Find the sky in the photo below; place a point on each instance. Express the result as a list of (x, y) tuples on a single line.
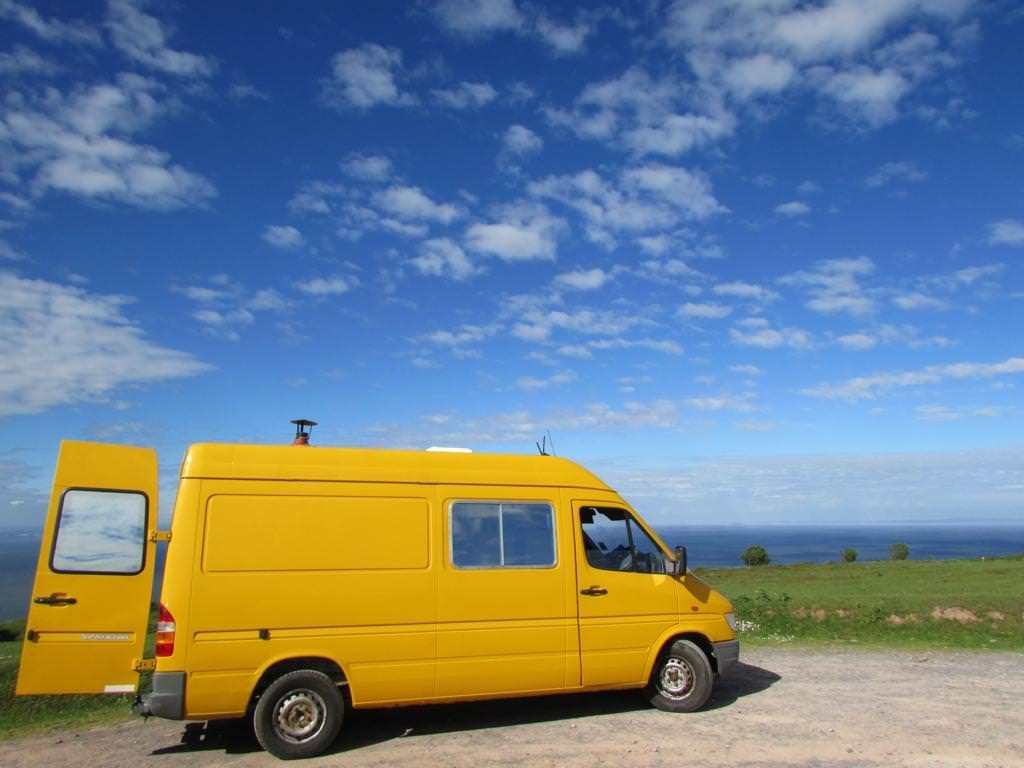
[(752, 262)]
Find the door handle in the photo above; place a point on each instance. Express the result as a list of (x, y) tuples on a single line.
[(594, 591), (57, 598)]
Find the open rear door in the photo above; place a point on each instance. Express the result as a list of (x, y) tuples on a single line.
[(90, 602)]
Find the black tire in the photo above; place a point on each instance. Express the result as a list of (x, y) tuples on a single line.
[(299, 715), (682, 679)]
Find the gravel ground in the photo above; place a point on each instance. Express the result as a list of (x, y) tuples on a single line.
[(779, 708)]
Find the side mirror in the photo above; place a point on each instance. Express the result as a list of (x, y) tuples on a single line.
[(680, 561)]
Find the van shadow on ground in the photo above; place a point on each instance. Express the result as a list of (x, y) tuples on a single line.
[(363, 728)]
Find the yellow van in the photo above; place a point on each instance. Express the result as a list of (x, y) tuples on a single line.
[(302, 581)]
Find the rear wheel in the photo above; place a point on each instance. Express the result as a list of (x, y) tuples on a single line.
[(682, 678), (299, 715)]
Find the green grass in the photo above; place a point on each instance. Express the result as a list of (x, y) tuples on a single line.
[(881, 603), (23, 715)]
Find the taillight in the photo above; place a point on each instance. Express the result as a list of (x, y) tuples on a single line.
[(164, 632)]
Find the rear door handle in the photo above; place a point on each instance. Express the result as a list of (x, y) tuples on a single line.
[(57, 598), (594, 591)]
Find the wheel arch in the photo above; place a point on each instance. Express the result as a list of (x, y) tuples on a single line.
[(283, 666), (699, 639)]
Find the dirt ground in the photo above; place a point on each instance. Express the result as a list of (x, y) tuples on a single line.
[(779, 708)]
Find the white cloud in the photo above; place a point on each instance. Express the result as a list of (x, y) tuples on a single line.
[(645, 198), (23, 61), (407, 202), (9, 252), (891, 172), (520, 141), (534, 322), (583, 279), (441, 257), (141, 37), (666, 346), (521, 233), (749, 291), (857, 341), (266, 299), (367, 167), (688, 191), (793, 208), (466, 95), (1006, 232), (875, 385), (704, 311), (324, 286), (477, 18), (955, 413), (833, 285), (317, 197), (60, 345), (915, 300), (241, 91), (746, 370), (867, 95), (51, 30), (839, 27), (759, 74), (639, 114), (364, 77), (724, 402), (533, 384), (842, 50), (564, 39), (79, 144), (461, 341), (223, 323), (224, 307), (756, 332), (283, 236)]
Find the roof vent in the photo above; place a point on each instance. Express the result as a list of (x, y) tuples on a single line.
[(447, 449), (303, 428)]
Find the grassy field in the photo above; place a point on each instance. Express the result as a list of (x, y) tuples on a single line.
[(972, 604), (28, 714), (947, 604)]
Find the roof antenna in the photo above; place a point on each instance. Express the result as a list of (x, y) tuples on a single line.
[(542, 446), (303, 428)]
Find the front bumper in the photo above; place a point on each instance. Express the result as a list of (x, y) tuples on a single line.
[(727, 653), (167, 699)]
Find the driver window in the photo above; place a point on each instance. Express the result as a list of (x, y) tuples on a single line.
[(613, 541)]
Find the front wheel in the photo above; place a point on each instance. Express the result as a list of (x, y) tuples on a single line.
[(299, 715), (682, 678)]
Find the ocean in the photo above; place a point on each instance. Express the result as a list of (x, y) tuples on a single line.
[(706, 546)]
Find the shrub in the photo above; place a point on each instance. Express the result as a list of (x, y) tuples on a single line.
[(849, 555), (755, 555), (11, 630), (899, 551)]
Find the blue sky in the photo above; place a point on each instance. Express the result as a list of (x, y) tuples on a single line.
[(751, 262)]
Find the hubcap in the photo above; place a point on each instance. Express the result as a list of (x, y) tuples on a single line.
[(299, 715), (676, 678)]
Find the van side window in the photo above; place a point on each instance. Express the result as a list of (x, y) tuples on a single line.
[(502, 534), (100, 532), (613, 541)]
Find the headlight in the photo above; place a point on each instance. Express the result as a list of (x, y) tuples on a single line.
[(731, 618)]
